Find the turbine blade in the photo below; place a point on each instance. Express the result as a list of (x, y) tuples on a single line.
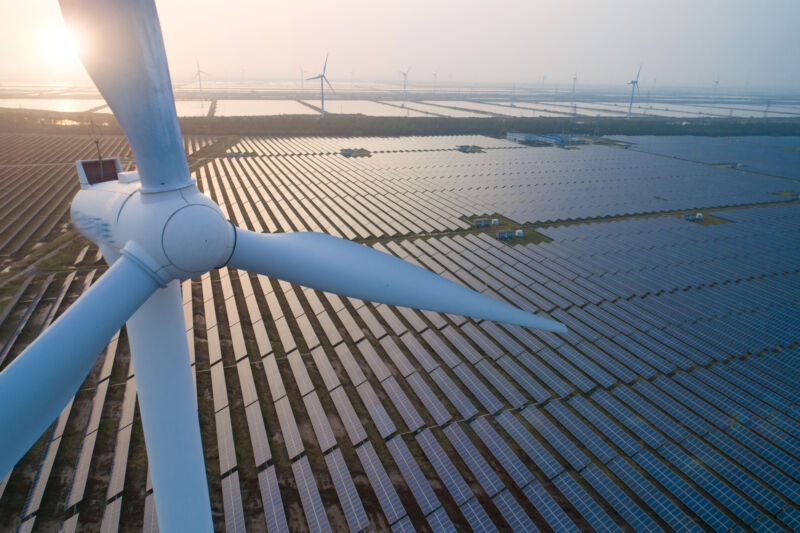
[(325, 65), (329, 83), (638, 72), (343, 267), (124, 55), (314, 77), (37, 384), (168, 403)]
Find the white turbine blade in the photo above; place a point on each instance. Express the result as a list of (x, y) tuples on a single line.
[(638, 72), (37, 384), (329, 83), (343, 267), (168, 403), (314, 77), (123, 52), (325, 65)]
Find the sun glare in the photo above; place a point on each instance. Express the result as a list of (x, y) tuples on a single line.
[(60, 48)]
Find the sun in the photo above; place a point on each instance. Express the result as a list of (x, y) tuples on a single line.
[(60, 48)]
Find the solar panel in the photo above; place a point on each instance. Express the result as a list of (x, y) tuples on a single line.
[(501, 451), (474, 460), (232, 503), (325, 369), (376, 410), (555, 437), (402, 404), (428, 398), (445, 469), (548, 508), (351, 502), (689, 496), (271, 500), (414, 477), (387, 497), (476, 516), (288, 424), (477, 388), (309, 496), (530, 445), (348, 416), (440, 522), (319, 421), (454, 394)]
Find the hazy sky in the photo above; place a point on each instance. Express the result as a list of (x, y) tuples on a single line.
[(680, 42)]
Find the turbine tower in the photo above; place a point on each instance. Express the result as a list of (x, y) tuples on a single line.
[(405, 82), (155, 228), (322, 81), (634, 87)]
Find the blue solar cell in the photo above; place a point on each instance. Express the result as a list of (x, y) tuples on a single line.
[(586, 436), (528, 443), (309, 496), (477, 388), (478, 520), (721, 492), (654, 415), (403, 405), (453, 393), (513, 513), (428, 398), (624, 415), (555, 437), (689, 496), (474, 460), (621, 502), (584, 503), (661, 504), (548, 508), (271, 500), (348, 496), (500, 383), (440, 522), (445, 469), (500, 451), (387, 496), (415, 480)]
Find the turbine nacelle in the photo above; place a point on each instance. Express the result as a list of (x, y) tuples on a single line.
[(175, 234)]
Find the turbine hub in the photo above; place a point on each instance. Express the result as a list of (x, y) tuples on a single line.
[(197, 238)]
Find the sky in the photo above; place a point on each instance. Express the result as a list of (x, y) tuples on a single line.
[(744, 43)]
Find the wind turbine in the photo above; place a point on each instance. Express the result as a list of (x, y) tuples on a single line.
[(405, 82), (199, 76), (155, 228), (574, 79), (716, 87), (322, 81), (634, 87)]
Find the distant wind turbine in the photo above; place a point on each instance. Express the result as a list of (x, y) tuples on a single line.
[(322, 81), (634, 87), (574, 79), (405, 83), (716, 86), (199, 76)]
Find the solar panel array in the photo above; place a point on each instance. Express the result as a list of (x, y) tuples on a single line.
[(671, 403)]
